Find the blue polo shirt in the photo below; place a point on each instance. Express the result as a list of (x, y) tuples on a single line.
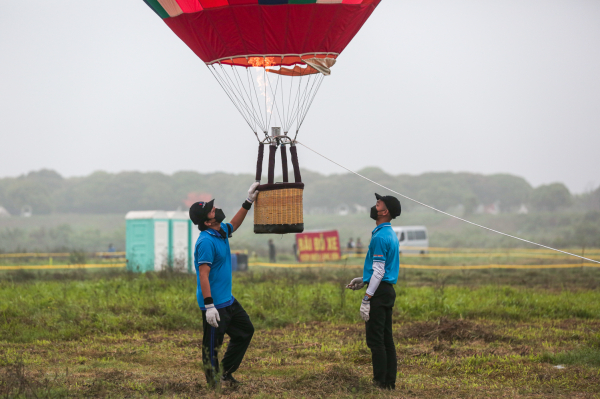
[(384, 247), (212, 249)]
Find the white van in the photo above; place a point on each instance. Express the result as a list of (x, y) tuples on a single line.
[(413, 239)]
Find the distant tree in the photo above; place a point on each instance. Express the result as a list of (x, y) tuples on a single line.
[(551, 197), (510, 191), (101, 192), (590, 201), (587, 232), (470, 205), (36, 190)]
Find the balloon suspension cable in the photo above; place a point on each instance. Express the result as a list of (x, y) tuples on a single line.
[(445, 213), (216, 75), (265, 100)]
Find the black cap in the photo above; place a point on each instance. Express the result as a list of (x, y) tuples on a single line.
[(199, 211), (392, 204)]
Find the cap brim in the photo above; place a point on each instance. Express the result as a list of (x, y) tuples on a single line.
[(378, 196), (209, 206)]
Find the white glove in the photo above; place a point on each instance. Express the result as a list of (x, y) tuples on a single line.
[(365, 308), (252, 193), (356, 284), (212, 315)]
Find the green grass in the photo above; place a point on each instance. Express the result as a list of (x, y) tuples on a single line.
[(581, 356), (477, 334), (70, 309)]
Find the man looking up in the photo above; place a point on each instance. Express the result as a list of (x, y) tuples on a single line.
[(380, 273), (221, 312)]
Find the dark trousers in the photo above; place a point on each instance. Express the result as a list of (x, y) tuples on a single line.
[(236, 323), (379, 336)]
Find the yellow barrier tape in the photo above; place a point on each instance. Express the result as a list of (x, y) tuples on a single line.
[(590, 251), (59, 255), (38, 267), (480, 267), (466, 249), (492, 255), (452, 252), (332, 265), (293, 265), (473, 267), (34, 255), (480, 255)]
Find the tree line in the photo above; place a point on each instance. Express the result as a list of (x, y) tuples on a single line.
[(46, 191)]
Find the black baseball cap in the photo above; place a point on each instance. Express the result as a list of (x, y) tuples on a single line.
[(392, 204), (199, 211)]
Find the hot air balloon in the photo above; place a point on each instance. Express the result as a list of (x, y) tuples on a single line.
[(270, 57)]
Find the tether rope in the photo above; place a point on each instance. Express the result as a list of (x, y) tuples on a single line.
[(446, 213)]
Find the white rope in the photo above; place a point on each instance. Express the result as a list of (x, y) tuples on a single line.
[(445, 213)]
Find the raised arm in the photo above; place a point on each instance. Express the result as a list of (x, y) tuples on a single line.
[(239, 217)]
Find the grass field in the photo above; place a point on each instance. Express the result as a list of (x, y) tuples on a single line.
[(478, 333)]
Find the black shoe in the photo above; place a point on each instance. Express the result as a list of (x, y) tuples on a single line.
[(228, 378)]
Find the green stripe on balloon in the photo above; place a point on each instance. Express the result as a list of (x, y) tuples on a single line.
[(157, 8)]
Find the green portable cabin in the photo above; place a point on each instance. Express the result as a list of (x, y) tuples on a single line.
[(179, 241), (147, 240)]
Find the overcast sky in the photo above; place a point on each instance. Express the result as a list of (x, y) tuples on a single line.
[(478, 86)]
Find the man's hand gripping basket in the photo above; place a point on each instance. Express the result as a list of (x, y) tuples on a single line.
[(278, 207)]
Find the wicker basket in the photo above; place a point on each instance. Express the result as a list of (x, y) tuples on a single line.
[(278, 207), (279, 211)]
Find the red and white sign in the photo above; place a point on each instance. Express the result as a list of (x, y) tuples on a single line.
[(318, 247)]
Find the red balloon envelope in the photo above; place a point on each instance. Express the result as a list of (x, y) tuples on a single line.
[(267, 36), (224, 29)]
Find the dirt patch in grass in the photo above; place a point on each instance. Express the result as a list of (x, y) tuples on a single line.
[(171, 386), (573, 324), (331, 380), (114, 376), (445, 329), (17, 381)]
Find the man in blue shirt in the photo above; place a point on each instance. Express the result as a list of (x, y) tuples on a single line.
[(221, 312), (380, 273)]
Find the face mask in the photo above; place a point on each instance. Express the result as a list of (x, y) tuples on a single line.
[(374, 213), (219, 215)]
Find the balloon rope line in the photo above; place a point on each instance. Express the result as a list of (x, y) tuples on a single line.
[(309, 105), (445, 213), (216, 75), (274, 96), (238, 78), (250, 87)]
